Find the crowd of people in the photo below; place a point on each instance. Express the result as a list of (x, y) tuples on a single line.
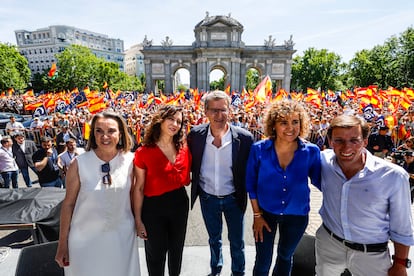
[(129, 183)]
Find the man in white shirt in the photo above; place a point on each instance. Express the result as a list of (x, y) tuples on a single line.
[(13, 126), (220, 151), (67, 156), (8, 167), (36, 124)]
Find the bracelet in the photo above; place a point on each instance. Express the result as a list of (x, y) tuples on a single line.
[(257, 215)]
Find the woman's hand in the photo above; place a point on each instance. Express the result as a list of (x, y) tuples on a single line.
[(258, 224), (141, 231), (62, 255)]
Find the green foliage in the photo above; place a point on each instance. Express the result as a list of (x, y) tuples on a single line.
[(14, 69), (252, 79), (182, 87), (79, 67), (390, 64), (316, 69), (217, 84), (161, 86)]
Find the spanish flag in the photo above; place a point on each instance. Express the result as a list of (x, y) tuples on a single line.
[(52, 70), (227, 90)]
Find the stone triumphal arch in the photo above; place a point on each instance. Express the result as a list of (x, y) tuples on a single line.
[(218, 45)]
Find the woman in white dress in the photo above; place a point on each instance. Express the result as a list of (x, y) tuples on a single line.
[(97, 229)]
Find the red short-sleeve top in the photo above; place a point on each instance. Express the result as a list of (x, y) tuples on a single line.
[(161, 175)]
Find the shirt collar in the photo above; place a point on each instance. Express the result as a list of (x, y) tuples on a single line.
[(226, 136), (269, 143)]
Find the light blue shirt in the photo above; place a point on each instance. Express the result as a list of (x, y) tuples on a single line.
[(371, 207)]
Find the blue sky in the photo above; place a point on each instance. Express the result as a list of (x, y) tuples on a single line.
[(341, 26)]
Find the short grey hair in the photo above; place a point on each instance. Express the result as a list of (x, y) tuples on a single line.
[(214, 96)]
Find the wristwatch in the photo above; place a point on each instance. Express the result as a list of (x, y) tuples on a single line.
[(404, 262)]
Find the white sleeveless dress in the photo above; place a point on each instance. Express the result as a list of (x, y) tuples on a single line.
[(102, 237)]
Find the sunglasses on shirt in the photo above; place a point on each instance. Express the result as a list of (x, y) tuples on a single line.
[(106, 179)]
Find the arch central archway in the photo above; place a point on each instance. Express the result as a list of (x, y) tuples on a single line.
[(218, 45)]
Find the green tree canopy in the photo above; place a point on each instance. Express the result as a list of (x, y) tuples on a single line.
[(14, 69), (317, 69), (79, 67), (390, 64), (252, 79)]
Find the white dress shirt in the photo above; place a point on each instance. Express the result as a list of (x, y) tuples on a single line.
[(216, 175)]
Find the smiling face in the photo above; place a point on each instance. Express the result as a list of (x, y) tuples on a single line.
[(349, 146), (172, 124), (288, 128), (217, 113), (106, 133)]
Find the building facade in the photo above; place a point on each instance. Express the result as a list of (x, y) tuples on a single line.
[(40, 46), (134, 61), (218, 45)]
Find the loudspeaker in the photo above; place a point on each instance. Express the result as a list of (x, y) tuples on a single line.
[(39, 260)]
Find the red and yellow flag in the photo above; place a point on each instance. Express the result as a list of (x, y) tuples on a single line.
[(52, 70)]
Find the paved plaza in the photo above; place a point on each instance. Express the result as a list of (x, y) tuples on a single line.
[(196, 253)]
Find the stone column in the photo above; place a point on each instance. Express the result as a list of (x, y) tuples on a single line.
[(235, 74), (168, 77), (243, 71), (148, 76), (288, 77), (193, 74), (268, 67), (202, 74)]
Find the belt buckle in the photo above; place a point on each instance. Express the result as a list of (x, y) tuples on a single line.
[(220, 197), (355, 246)]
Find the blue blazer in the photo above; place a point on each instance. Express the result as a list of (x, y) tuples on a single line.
[(241, 143)]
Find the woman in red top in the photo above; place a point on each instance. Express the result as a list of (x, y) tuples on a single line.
[(162, 169)]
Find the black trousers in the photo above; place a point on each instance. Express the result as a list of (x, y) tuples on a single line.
[(165, 219)]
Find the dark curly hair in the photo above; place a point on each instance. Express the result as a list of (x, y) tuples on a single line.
[(153, 130)]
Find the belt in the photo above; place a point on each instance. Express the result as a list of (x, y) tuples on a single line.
[(223, 196), (374, 247), (220, 196)]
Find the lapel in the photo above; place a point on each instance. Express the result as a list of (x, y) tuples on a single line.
[(235, 145), (200, 140)]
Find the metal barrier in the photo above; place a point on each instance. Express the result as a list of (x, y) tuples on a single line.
[(257, 134)]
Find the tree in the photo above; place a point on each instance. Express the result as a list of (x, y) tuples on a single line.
[(217, 84), (406, 58), (390, 64), (317, 69), (252, 79), (77, 67), (14, 69)]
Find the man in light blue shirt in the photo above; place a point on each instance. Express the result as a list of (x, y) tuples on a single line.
[(366, 203)]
